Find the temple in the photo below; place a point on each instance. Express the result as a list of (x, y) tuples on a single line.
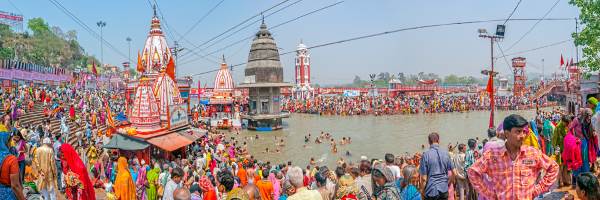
[(220, 109), (156, 56), (157, 105), (302, 89), (264, 80)]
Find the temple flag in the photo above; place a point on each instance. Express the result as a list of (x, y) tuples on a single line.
[(94, 71), (562, 61), (171, 68), (490, 84), (140, 67)]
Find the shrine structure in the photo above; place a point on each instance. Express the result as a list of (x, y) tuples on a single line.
[(157, 105), (264, 81)]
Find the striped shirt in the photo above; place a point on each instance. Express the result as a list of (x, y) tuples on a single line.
[(513, 179)]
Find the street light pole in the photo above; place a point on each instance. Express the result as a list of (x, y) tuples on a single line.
[(101, 24), (483, 34)]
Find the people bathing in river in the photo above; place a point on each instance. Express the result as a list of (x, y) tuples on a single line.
[(220, 168)]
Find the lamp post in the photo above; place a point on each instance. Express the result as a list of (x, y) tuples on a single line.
[(101, 24), (498, 36)]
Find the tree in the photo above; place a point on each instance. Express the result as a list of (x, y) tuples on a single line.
[(401, 77), (357, 80), (38, 26), (451, 79), (588, 37)]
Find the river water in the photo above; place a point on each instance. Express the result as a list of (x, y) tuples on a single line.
[(372, 136)]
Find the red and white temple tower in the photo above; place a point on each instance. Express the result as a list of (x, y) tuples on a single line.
[(302, 89), (518, 65)]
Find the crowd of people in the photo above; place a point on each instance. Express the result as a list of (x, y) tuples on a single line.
[(405, 104), (519, 160)]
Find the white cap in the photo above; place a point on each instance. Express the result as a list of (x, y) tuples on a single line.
[(46, 141), (363, 158)]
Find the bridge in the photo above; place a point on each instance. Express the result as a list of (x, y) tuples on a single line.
[(547, 89)]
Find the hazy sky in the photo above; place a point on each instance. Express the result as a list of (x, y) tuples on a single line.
[(443, 50)]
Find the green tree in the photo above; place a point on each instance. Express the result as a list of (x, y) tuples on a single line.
[(588, 37), (451, 79)]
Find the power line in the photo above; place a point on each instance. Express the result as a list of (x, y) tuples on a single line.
[(390, 32), (15, 6), (505, 60), (201, 19), (534, 25), (170, 31), (248, 25), (86, 27), (243, 22), (273, 27), (513, 12), (278, 25), (537, 48)]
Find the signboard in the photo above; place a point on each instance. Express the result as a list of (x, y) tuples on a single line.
[(178, 115), (6, 83), (351, 93)]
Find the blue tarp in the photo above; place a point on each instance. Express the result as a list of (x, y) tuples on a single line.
[(121, 117)]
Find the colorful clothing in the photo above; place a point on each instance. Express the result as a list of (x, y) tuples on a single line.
[(513, 179), (152, 177), (558, 138), (410, 192), (141, 184), (124, 186), (76, 172), (6, 191)]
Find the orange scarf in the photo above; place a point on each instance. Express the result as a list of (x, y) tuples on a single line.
[(124, 187)]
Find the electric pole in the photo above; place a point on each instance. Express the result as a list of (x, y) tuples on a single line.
[(491, 74), (101, 24)]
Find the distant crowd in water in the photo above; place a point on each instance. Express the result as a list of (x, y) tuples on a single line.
[(406, 104)]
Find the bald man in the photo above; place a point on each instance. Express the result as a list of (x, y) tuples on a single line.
[(182, 194)]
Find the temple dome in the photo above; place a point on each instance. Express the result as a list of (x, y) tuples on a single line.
[(145, 114), (263, 61), (156, 52), (223, 80), (166, 93)]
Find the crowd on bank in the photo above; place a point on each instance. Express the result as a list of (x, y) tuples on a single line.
[(217, 167), (405, 104)]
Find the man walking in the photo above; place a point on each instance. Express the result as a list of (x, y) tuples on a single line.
[(458, 161), (513, 170), (44, 168), (435, 165)]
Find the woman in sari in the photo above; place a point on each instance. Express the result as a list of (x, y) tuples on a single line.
[(77, 180), (152, 177), (207, 188), (384, 187), (124, 186), (10, 185), (141, 183), (408, 190)]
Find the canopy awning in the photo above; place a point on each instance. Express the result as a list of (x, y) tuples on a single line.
[(123, 142), (171, 141)]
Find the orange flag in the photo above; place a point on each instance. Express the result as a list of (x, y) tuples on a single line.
[(109, 116), (94, 71), (171, 68), (490, 85), (140, 67)]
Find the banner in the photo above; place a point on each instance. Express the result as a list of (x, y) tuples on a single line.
[(178, 116)]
